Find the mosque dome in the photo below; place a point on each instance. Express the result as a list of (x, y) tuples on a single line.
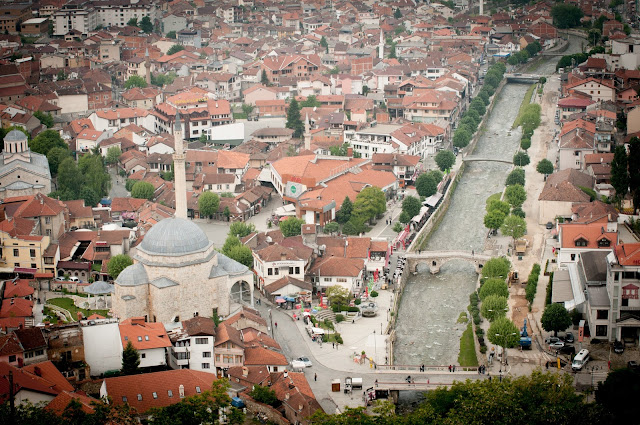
[(174, 236)]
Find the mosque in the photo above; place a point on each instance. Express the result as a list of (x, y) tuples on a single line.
[(177, 274), (22, 172)]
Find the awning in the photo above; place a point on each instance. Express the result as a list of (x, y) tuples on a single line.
[(432, 200), (24, 270), (286, 210), (43, 275), (280, 300), (317, 331)]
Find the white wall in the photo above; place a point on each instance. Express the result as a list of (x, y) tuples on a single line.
[(102, 347), (196, 354), (153, 357)]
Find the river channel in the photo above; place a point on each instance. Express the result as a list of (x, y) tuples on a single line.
[(426, 329)]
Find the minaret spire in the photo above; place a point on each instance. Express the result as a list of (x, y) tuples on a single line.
[(307, 133), (179, 171), (147, 65), (381, 46)]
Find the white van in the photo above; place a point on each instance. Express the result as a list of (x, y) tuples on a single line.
[(580, 359), (74, 279)]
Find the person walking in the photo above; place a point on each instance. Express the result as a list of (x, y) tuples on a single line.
[(315, 376), (276, 325), (449, 368)]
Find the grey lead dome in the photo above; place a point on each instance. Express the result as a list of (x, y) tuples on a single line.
[(15, 136), (174, 236)]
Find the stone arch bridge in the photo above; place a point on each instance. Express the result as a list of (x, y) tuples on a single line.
[(435, 259)]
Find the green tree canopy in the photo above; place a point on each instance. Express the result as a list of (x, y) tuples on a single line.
[(264, 395), (264, 79), (133, 22), (503, 333), (354, 226), (521, 159), (146, 25), (292, 226), (135, 81), (445, 159), (95, 174), (241, 229), (555, 318), (113, 154), (46, 141), (514, 226), (497, 267), (294, 122), (619, 172), (247, 108), (172, 34), (130, 360), (325, 44), (461, 138), (566, 15), (90, 197), (426, 185), (208, 204), (473, 114), (310, 102), (494, 306), (337, 295), (492, 80), (397, 14), (633, 161), (411, 205), (117, 263), (545, 167), (45, 119), (498, 205), (494, 286), (515, 177), (344, 213), (515, 195), (55, 156), (370, 203), (494, 219), (70, 178), (525, 143), (331, 228), (478, 105), (242, 254), (175, 49), (142, 190)]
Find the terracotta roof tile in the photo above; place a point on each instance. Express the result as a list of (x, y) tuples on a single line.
[(143, 335)]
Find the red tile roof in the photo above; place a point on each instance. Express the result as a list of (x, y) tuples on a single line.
[(628, 254), (143, 335)]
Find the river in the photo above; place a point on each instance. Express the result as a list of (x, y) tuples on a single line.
[(426, 328)]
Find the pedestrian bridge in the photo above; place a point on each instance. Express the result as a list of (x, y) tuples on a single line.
[(558, 54), (524, 78), (435, 259), (471, 158)]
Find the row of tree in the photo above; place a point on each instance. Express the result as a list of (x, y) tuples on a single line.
[(625, 171), (525, 54)]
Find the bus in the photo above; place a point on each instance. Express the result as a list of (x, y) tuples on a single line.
[(580, 360)]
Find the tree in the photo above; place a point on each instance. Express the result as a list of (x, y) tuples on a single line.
[(411, 205), (473, 114), (159, 80), (492, 80), (461, 138), (323, 43), (247, 108), (593, 36), (175, 49), (515, 195), (370, 203), (521, 159), (133, 22), (503, 333), (525, 143), (619, 172), (293, 119), (146, 25), (46, 141), (91, 198), (354, 226), (404, 217), (226, 212), (95, 174), (397, 14), (426, 185), (292, 226), (264, 79), (555, 318), (494, 286), (544, 167), (494, 219), (45, 119), (172, 34), (208, 204), (242, 254), (566, 16), (310, 102), (70, 177), (331, 228), (514, 226), (61, 75), (135, 81), (484, 95), (241, 229), (130, 360), (515, 177), (618, 395), (337, 295), (497, 267), (498, 205), (264, 395), (55, 156), (117, 263), (113, 154), (392, 51), (445, 159), (203, 138), (633, 162), (142, 190), (494, 306), (344, 213), (478, 105)]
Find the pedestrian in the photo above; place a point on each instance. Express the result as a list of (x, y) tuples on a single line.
[(489, 375), (333, 345), (276, 325), (449, 368), (454, 368), (315, 376)]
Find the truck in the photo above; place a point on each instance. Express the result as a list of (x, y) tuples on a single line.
[(525, 339), (513, 277), (521, 246)]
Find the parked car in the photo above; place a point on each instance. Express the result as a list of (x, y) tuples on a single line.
[(305, 360), (552, 339), (618, 347), (568, 338), (632, 364), (567, 349), (556, 345)]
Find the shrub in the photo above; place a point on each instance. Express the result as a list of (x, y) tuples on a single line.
[(339, 318), (476, 319), (358, 301), (374, 294), (353, 309), (483, 349), (518, 212), (338, 339), (479, 331)]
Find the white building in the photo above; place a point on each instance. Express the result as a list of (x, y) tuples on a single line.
[(150, 339), (276, 261), (102, 345), (193, 345), (22, 172), (345, 272), (372, 140)]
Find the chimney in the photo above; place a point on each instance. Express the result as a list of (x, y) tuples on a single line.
[(286, 396), (285, 373), (37, 371), (350, 152), (245, 371), (181, 390), (283, 256)]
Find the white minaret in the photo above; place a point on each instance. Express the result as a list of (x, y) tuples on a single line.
[(147, 65), (307, 134), (481, 7), (180, 175), (381, 46)]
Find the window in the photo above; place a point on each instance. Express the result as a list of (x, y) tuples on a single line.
[(276, 271), (581, 242), (32, 253), (143, 355), (34, 266), (16, 253), (297, 270), (12, 358), (201, 340), (290, 270), (604, 242), (126, 338), (206, 354), (124, 398), (170, 393), (602, 314), (155, 394), (139, 338), (269, 270), (47, 220), (139, 397), (601, 330), (198, 388), (146, 337)]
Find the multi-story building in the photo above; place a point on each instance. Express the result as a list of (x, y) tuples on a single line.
[(276, 261), (76, 15), (193, 345), (150, 339)]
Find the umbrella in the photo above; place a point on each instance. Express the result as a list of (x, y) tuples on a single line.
[(280, 300), (306, 313)]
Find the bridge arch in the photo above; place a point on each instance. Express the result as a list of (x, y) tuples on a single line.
[(436, 259)]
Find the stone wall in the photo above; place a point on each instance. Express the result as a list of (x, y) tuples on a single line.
[(272, 415)]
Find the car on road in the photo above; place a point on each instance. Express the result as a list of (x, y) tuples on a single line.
[(568, 338), (549, 225), (305, 360), (552, 339), (567, 349), (556, 345), (618, 347)]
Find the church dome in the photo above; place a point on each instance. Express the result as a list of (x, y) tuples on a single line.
[(174, 236), (15, 136)]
